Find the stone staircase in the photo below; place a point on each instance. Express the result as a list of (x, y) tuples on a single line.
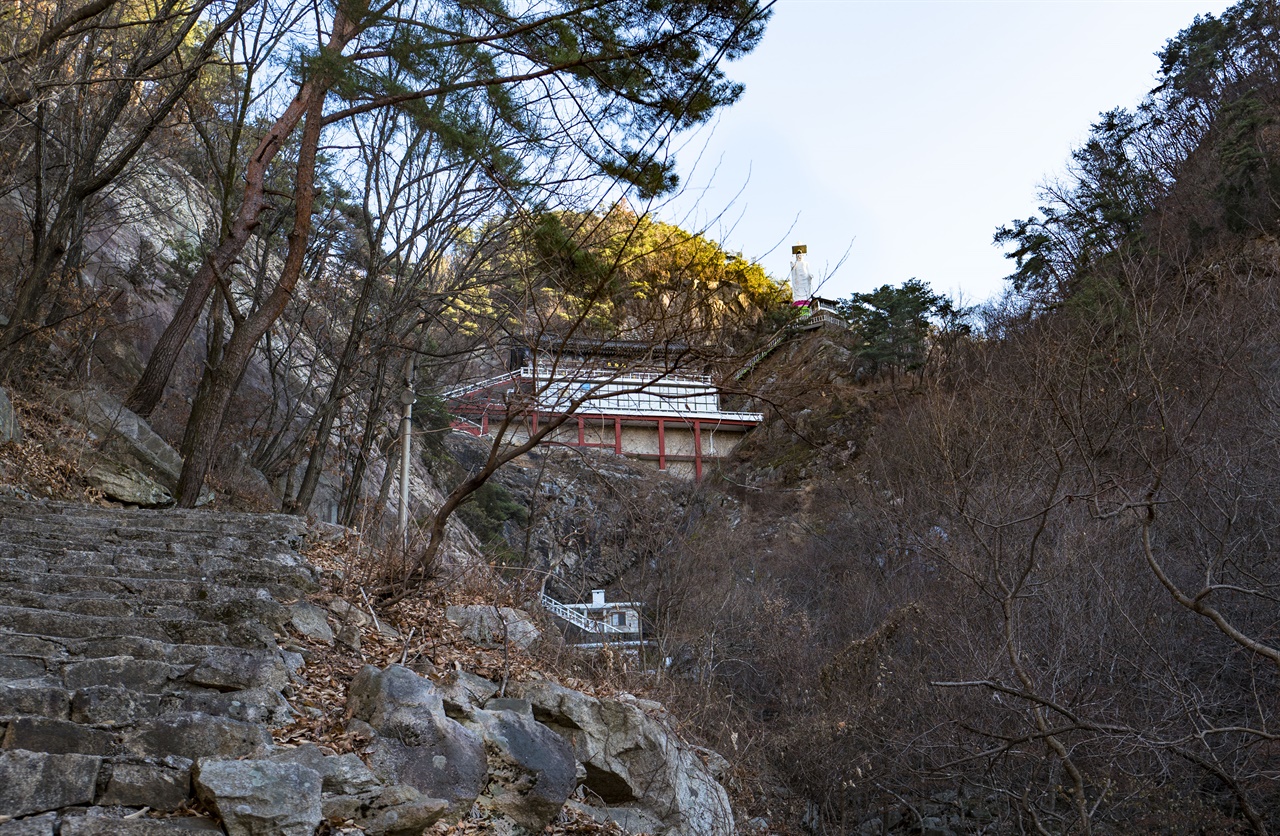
[(140, 678), (132, 644)]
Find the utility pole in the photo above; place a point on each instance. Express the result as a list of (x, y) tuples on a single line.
[(407, 397)]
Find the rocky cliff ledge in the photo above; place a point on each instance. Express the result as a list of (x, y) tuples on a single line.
[(151, 683)]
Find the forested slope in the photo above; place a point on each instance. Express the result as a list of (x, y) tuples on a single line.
[(1037, 590)]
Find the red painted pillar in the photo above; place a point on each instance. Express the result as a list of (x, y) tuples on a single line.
[(484, 423), (697, 449), (617, 436), (662, 444), (535, 423), (582, 436)]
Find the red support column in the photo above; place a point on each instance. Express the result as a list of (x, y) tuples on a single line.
[(617, 436), (697, 449), (484, 423), (535, 423), (582, 436), (662, 444)]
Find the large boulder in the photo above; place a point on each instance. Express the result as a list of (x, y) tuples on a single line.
[(261, 798), (493, 626), (634, 761), (532, 770), (416, 743), (128, 448)]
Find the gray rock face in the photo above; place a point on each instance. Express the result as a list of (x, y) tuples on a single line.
[(417, 744), (104, 825), (261, 798), (488, 626), (339, 774), (44, 825), (9, 429), (390, 811), (126, 484), (33, 782), (531, 769), (463, 692), (147, 785), (634, 760), (196, 735), (128, 441), (310, 621)]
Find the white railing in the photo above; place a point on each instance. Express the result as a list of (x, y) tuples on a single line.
[(588, 374), (580, 619), (455, 392)]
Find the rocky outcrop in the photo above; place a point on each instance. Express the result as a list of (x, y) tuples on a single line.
[(636, 766), (131, 463)]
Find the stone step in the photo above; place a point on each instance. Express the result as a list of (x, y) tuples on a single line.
[(184, 631), (185, 734), (249, 606), (210, 666), (113, 708), (168, 589), (38, 538), (244, 573), (279, 525)]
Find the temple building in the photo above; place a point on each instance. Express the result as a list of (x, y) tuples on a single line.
[(633, 398)]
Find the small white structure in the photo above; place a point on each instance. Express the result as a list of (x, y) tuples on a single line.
[(617, 619)]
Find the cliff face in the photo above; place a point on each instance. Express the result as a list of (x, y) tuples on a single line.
[(588, 516)]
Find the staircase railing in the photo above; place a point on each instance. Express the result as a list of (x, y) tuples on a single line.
[(578, 618), (455, 392)]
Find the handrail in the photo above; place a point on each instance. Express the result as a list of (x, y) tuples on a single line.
[(579, 619), (455, 392)]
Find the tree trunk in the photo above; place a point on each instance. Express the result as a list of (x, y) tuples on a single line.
[(150, 387), (218, 383)]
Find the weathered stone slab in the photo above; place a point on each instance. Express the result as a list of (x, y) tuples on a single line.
[(463, 692), (491, 626), (418, 744), (37, 698), (261, 798), (156, 786), (104, 705), (234, 669), (59, 737), (197, 735), (120, 671), (9, 428), (33, 782), (126, 484), (98, 824), (310, 621), (393, 811), (633, 760), (45, 824), (339, 774), (531, 769)]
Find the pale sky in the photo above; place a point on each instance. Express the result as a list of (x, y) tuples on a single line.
[(906, 132)]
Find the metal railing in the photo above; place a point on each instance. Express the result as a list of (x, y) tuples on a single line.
[(580, 619), (455, 392)]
